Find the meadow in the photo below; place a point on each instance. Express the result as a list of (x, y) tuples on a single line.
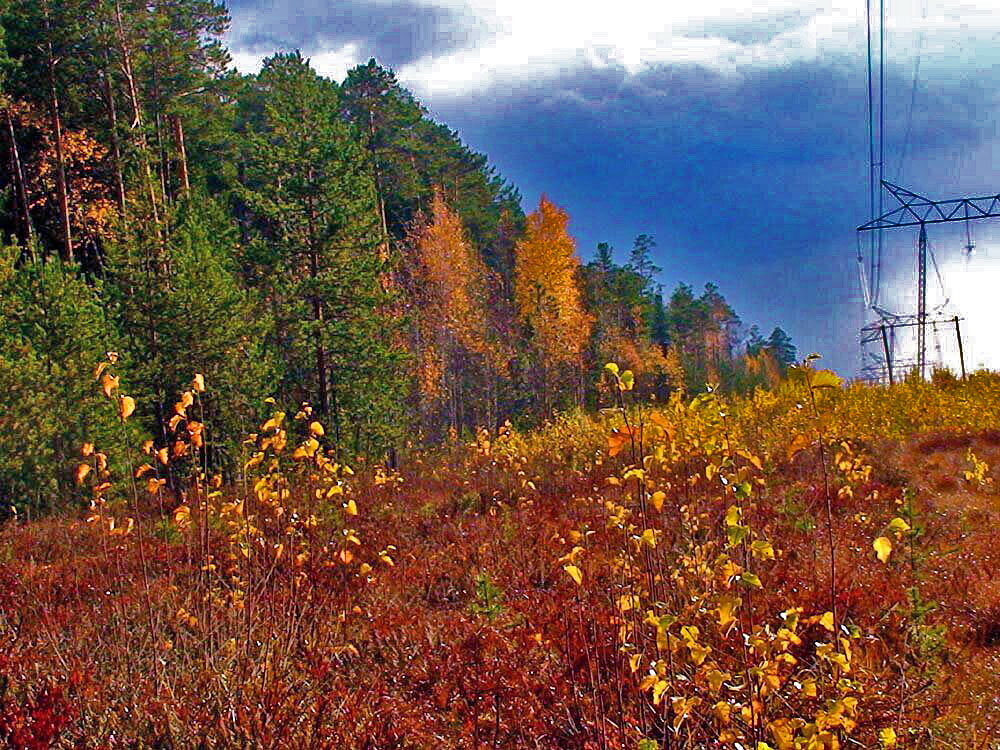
[(810, 566)]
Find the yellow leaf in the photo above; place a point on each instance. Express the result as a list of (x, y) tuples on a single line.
[(887, 737), (574, 573), (316, 429), (87, 449), (351, 508), (628, 602), (365, 569), (716, 678), (827, 620), (101, 367), (274, 422), (658, 690), (899, 525), (109, 384), (125, 407), (722, 711), (727, 609), (883, 548), (657, 499), (81, 472), (616, 442), (633, 662), (346, 556), (825, 379), (199, 383), (799, 443), (182, 516)]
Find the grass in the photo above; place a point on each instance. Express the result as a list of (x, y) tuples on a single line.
[(303, 605)]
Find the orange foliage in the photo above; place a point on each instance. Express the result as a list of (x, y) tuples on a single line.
[(546, 288), (91, 206), (451, 287)]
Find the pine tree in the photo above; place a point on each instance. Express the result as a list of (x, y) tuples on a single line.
[(183, 74), (780, 344), (604, 259), (641, 262), (53, 331), (310, 202), (387, 116), (47, 40), (195, 317)]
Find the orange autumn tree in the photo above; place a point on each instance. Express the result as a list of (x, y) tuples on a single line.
[(457, 360), (547, 293), (90, 206)]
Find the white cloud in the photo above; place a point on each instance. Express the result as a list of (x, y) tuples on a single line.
[(967, 288), (538, 39), (519, 41), (333, 63)]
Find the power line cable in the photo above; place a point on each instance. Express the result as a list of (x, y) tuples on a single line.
[(871, 152), (881, 138), (913, 97)]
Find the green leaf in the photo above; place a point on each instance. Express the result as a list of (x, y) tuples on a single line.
[(628, 380), (750, 579), (736, 534)]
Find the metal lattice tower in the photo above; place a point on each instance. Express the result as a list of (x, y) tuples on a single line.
[(919, 211)]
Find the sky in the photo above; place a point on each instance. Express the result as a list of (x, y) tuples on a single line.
[(734, 133)]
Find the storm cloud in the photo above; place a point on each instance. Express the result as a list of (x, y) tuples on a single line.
[(737, 136)]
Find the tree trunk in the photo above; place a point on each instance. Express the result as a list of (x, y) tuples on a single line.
[(182, 167), (161, 149), (378, 186), (317, 309), (116, 152), (26, 235), (56, 121), (133, 94)]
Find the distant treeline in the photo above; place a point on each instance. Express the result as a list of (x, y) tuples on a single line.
[(289, 236)]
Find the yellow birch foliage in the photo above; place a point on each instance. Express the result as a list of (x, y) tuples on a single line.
[(546, 289), (452, 290)]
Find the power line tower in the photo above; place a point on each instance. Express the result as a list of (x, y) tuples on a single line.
[(915, 210)]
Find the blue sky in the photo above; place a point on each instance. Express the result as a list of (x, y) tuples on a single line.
[(734, 133)]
